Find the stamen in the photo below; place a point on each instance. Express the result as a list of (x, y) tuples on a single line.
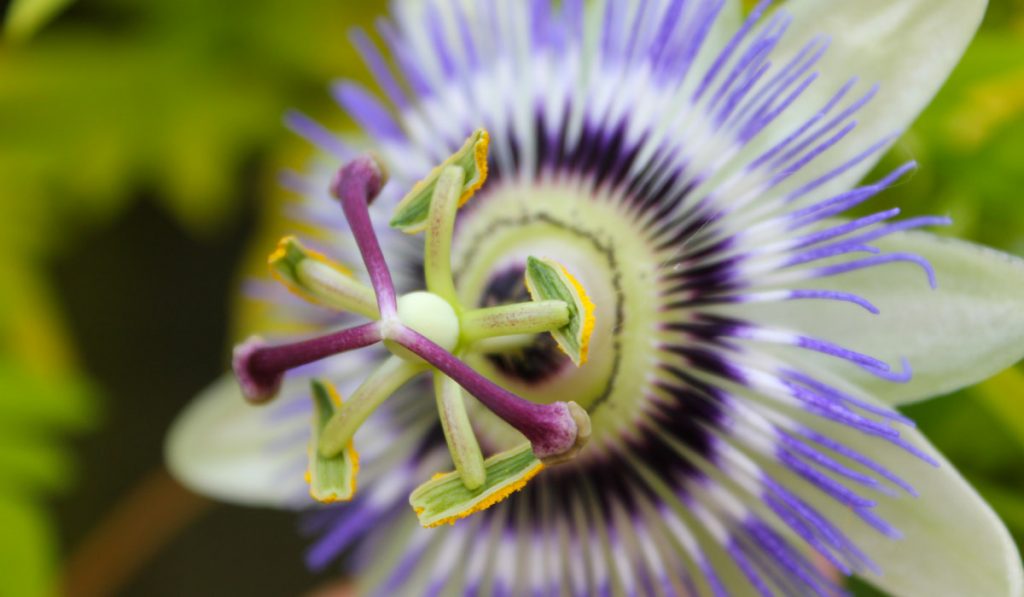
[(514, 319), (437, 266), (260, 367), (315, 278), (445, 499), (462, 443), (330, 479), (412, 212), (547, 280), (382, 383)]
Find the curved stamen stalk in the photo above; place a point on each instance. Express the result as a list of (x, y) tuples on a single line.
[(259, 367), (458, 432), (319, 280), (440, 224), (356, 185), (382, 383), (556, 430), (515, 319)]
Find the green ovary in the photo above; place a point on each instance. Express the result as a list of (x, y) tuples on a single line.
[(599, 243)]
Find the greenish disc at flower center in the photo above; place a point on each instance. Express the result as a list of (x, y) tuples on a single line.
[(597, 241)]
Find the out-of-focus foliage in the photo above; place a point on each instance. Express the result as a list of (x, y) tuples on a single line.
[(113, 101), (25, 17), (168, 96)]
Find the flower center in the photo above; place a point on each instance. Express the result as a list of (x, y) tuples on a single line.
[(595, 235), (533, 360), (430, 315)]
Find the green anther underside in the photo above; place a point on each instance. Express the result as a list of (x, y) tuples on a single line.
[(547, 281), (330, 478), (445, 498), (410, 215)]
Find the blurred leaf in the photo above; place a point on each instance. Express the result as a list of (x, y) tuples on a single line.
[(1007, 503), (169, 96), (28, 552), (1004, 396), (25, 17)]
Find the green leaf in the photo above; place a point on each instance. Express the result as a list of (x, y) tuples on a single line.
[(25, 17), (28, 552), (1004, 397)]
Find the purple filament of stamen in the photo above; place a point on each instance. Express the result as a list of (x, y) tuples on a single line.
[(826, 529), (778, 84)]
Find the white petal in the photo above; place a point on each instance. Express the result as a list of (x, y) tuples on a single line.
[(953, 543), (908, 47), (969, 328), (223, 447)]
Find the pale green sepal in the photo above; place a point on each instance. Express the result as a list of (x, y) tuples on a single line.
[(445, 499), (319, 280), (331, 478), (412, 212), (547, 280), (26, 17)]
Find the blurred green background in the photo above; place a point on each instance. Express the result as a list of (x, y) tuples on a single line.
[(141, 143)]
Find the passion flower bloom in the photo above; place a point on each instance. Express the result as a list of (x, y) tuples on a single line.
[(647, 248)]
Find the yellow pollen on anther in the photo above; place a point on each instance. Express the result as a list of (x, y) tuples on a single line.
[(587, 329), (496, 497), (281, 252), (353, 455), (480, 158)]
